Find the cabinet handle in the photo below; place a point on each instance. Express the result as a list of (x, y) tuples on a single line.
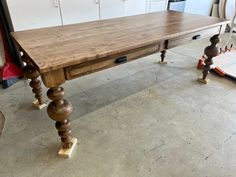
[(196, 37), (56, 3), (122, 59)]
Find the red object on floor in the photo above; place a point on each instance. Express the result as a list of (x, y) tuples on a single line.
[(9, 70), (219, 71), (201, 63)]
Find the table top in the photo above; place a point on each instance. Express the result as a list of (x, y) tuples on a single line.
[(57, 47)]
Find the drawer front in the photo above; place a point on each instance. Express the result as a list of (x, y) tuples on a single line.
[(107, 62), (193, 36)]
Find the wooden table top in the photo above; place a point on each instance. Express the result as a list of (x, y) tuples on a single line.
[(57, 47)]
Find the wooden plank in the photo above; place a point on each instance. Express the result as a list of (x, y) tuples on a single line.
[(66, 153), (58, 47)]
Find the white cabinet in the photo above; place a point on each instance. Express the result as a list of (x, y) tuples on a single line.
[(76, 11), (202, 7), (134, 7), (120, 8), (177, 6), (112, 8), (156, 5), (29, 14)]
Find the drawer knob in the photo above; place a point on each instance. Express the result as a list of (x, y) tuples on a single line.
[(121, 60), (196, 37)]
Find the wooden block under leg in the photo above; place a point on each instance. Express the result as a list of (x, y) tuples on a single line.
[(204, 81), (162, 62), (66, 153), (38, 106)]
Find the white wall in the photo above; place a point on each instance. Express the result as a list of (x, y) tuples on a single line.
[(202, 7), (31, 14)]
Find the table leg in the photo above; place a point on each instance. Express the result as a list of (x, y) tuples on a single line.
[(59, 110), (163, 55), (211, 52), (32, 73)]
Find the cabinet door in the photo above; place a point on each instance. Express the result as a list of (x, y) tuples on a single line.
[(156, 5), (134, 7), (30, 14), (177, 6), (199, 7), (77, 11), (112, 8)]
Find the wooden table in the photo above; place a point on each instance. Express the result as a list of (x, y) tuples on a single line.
[(63, 53)]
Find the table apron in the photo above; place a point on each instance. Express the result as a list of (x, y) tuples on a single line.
[(111, 61), (181, 40), (89, 67)]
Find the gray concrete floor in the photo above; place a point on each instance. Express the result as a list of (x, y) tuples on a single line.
[(140, 119)]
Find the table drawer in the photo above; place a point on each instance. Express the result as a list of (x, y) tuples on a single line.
[(107, 62), (193, 36)]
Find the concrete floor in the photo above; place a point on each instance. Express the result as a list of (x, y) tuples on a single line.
[(140, 119)]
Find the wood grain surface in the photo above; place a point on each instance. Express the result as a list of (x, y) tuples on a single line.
[(59, 47)]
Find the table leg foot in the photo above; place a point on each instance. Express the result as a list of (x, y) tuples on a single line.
[(36, 104), (204, 81), (66, 153), (163, 62)]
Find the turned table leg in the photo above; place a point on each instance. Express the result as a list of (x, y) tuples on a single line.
[(59, 110), (211, 52), (163, 55), (32, 73)]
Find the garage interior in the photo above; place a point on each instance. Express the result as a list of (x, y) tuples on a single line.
[(141, 119)]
